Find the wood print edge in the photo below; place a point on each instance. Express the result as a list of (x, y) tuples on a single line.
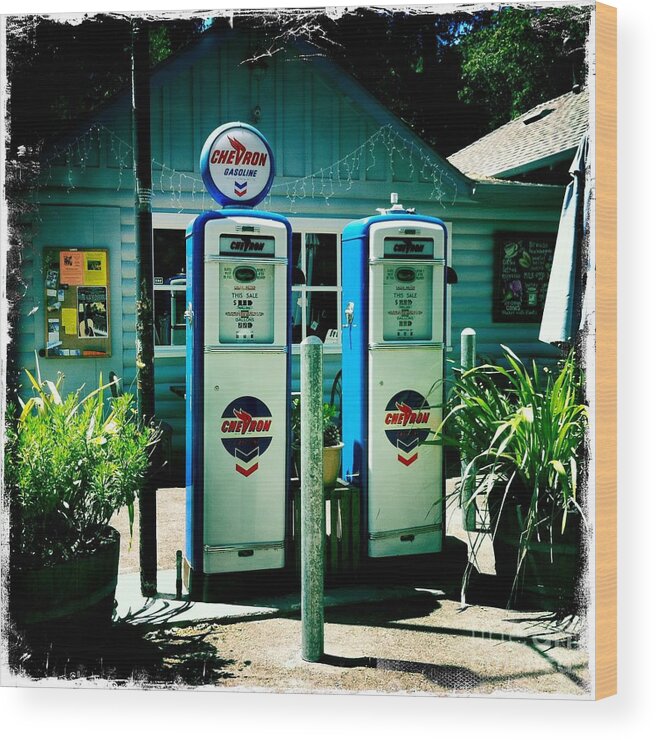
[(606, 353)]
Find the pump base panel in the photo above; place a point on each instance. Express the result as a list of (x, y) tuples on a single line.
[(218, 587), (413, 541)]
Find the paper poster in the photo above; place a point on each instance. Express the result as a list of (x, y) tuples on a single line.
[(92, 312), (69, 320), (71, 268), (95, 268), (53, 333)]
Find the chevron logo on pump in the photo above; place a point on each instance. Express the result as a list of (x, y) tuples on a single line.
[(407, 424), (241, 188), (245, 432)]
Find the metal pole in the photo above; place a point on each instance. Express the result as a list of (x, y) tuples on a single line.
[(467, 362), (178, 574), (313, 509), (143, 193)]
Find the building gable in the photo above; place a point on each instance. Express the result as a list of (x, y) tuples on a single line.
[(327, 132)]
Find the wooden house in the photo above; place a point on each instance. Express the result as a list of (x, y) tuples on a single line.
[(339, 154)]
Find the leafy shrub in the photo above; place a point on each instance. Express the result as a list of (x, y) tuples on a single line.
[(70, 464)]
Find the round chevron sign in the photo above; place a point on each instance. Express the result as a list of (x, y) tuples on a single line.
[(407, 419), (237, 165), (245, 430)]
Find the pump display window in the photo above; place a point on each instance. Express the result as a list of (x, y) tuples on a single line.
[(315, 292)]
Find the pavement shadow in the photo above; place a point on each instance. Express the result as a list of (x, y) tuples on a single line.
[(124, 654), (543, 630), (439, 571), (447, 676), (453, 677), (156, 611)]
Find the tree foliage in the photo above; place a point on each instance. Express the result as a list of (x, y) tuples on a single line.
[(59, 72), (523, 57), (410, 61), (451, 77)]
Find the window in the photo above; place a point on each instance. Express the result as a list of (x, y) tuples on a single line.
[(316, 289), (170, 284)]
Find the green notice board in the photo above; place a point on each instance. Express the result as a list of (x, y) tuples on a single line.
[(522, 265), (76, 293)]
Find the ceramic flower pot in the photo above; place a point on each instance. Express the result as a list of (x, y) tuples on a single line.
[(332, 460)]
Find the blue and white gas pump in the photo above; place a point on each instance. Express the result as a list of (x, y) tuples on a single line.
[(393, 344), (238, 365)]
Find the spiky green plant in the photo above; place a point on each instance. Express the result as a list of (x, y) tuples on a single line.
[(518, 426), (70, 464)]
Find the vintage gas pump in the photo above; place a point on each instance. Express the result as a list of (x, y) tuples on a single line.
[(393, 343), (238, 365)]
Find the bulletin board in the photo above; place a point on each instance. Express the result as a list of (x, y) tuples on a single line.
[(76, 293)]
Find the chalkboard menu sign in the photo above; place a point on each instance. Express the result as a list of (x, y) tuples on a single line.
[(522, 265)]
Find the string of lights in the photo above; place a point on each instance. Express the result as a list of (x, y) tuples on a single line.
[(325, 183)]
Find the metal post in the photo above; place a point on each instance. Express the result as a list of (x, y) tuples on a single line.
[(467, 362), (144, 304), (178, 574), (313, 510)]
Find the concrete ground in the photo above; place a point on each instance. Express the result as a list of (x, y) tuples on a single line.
[(395, 628)]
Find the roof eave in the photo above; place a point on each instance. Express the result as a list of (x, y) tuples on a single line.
[(538, 164), (547, 195)]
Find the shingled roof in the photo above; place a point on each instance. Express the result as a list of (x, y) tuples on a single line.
[(544, 136)]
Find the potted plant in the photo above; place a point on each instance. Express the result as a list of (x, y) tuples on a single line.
[(70, 464), (332, 444), (523, 435)]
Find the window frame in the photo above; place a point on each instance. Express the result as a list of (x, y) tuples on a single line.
[(333, 226), (176, 222)]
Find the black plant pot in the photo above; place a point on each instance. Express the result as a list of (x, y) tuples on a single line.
[(548, 576), (74, 595)]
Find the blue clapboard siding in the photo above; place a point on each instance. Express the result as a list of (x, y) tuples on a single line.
[(314, 115), (471, 297)]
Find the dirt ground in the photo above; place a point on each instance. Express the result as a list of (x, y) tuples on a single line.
[(384, 649), (427, 645)]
